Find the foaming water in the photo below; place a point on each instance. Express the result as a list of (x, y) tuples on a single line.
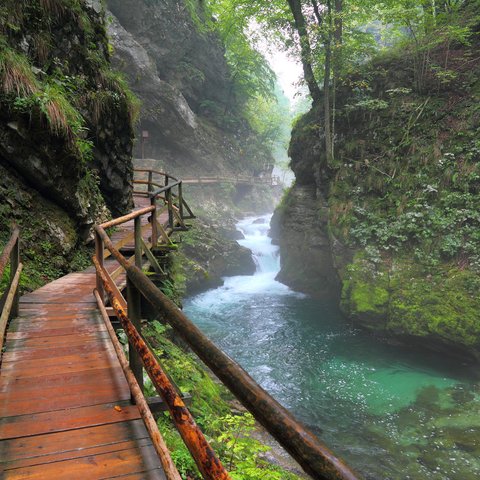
[(392, 413)]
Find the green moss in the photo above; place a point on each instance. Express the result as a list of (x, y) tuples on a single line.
[(369, 298), (440, 304), (365, 291), (445, 305)]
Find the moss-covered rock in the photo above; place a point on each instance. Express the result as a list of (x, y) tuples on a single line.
[(365, 293), (206, 255), (399, 297), (402, 192)]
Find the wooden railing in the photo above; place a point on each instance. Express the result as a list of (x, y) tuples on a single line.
[(9, 301), (314, 457), (161, 186), (271, 180), (128, 311)]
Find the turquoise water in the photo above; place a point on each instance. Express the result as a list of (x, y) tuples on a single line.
[(391, 412)]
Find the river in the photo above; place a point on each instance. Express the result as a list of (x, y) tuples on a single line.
[(390, 412)]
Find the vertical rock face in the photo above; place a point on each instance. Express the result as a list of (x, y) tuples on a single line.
[(65, 125), (191, 61), (178, 70), (300, 229)]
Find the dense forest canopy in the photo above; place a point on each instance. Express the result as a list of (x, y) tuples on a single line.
[(331, 38)]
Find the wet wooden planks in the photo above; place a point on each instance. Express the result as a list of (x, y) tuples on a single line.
[(65, 410)]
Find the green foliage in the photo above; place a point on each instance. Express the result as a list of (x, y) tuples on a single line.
[(16, 75), (118, 93), (68, 97)]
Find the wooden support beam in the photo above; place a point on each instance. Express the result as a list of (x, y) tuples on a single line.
[(151, 258), (163, 233), (99, 253), (14, 267), (135, 316)]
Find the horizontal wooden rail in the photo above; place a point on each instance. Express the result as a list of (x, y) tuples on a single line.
[(10, 302), (126, 218), (314, 457), (164, 189), (146, 182), (158, 172), (232, 179)]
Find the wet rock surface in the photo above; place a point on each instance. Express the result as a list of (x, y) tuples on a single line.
[(181, 75), (207, 255), (300, 231)]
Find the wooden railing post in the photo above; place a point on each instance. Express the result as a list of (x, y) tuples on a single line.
[(150, 180), (180, 199), (138, 241), (153, 221), (168, 195), (14, 263), (134, 313), (99, 254)]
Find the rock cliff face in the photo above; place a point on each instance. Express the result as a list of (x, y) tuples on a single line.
[(300, 227), (65, 128), (396, 213), (178, 69)]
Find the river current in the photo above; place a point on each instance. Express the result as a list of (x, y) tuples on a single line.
[(390, 412)]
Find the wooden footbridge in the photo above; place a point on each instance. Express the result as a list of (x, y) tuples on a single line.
[(270, 180), (72, 405)]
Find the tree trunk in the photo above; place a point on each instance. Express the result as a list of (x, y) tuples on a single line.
[(326, 99), (329, 36), (305, 49), (337, 65)]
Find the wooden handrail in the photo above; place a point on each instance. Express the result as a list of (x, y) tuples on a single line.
[(232, 179), (146, 182), (158, 172), (168, 198), (158, 442), (164, 189), (126, 218), (314, 457), (10, 305)]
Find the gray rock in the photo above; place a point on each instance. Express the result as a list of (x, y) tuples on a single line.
[(306, 261)]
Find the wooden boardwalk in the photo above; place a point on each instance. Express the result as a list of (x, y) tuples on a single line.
[(65, 409)]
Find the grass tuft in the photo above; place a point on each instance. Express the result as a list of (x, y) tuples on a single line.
[(16, 76), (115, 82), (53, 7)]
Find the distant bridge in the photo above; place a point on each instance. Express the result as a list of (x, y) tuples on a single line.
[(271, 180)]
